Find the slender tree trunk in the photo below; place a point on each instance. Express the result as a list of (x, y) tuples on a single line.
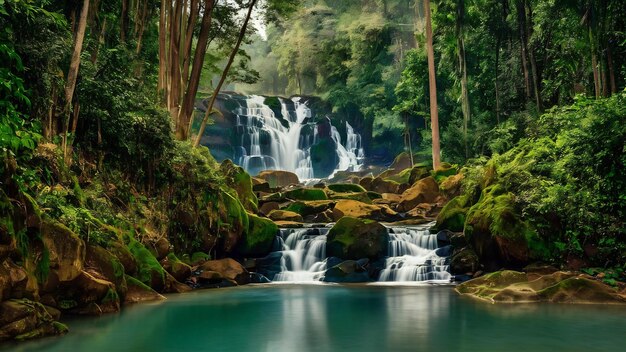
[(174, 76), (594, 65), (432, 87), (209, 110), (72, 73), (142, 27), (528, 23), (465, 106), (124, 21), (94, 54), (76, 112), (50, 129), (182, 132), (521, 19), (495, 81), (609, 59)]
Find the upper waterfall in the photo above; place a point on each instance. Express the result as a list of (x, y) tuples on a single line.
[(274, 133)]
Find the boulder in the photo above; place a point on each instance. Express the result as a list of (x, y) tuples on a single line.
[(366, 182), (159, 247), (279, 178), (149, 270), (66, 250), (451, 186), (234, 222), (423, 191), (312, 207), (90, 294), (23, 319), (324, 158), (418, 172), (381, 185), (260, 185), (107, 265), (140, 292), (346, 188), (239, 180), (322, 218), (17, 282), (356, 209), (285, 215), (347, 271), (257, 240), (352, 238), (452, 216), (306, 194), (227, 268), (464, 261), (123, 254), (443, 171), (174, 286), (267, 207), (176, 268)]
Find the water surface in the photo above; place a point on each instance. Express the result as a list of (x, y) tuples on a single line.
[(341, 318)]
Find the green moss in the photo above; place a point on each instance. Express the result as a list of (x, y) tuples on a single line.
[(352, 238), (402, 177), (147, 265), (342, 230), (444, 171), (452, 216), (67, 304), (198, 257), (110, 297), (374, 195), (241, 182), (361, 197), (306, 194), (310, 208), (132, 281), (258, 239), (346, 188)]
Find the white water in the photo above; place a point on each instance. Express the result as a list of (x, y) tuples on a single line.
[(289, 148), (412, 256)]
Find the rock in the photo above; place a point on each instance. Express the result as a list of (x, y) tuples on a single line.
[(160, 247), (443, 238), (279, 178), (380, 185), (92, 294), (402, 161), (346, 188), (149, 270), (452, 216), (234, 220), (362, 197), (498, 235), (352, 238), (321, 185), (366, 182), (451, 186), (260, 185), (123, 254), (306, 194), (418, 172), (558, 287), (267, 207), (285, 215), (228, 268), (361, 210), (443, 171), (174, 286), (324, 158), (347, 271), (140, 292), (239, 180), (176, 268), (423, 191), (422, 210), (17, 282), (391, 197), (322, 218), (464, 261), (107, 265), (66, 250), (312, 207), (289, 224), (257, 240), (24, 319)]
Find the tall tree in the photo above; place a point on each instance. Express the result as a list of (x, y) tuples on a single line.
[(231, 58), (432, 87), (72, 73), (465, 105)]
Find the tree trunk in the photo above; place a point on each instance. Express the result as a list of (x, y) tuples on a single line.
[(495, 81), (224, 74), (531, 52), (124, 21), (465, 106), (432, 87), (521, 19), (174, 75), (162, 51), (609, 59), (182, 130), (94, 54), (72, 73), (142, 27)]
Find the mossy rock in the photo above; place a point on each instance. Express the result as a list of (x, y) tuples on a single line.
[(380, 185), (423, 191), (23, 319), (464, 261), (324, 157), (361, 197), (374, 195), (443, 171), (108, 265), (284, 215), (352, 238), (179, 270), (257, 240), (279, 178), (65, 249), (140, 292), (401, 177), (498, 235), (346, 188), (356, 209), (451, 185), (452, 216), (418, 172), (241, 182), (312, 207), (234, 221), (149, 270), (306, 194)]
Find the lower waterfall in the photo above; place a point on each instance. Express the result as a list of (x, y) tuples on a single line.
[(413, 256)]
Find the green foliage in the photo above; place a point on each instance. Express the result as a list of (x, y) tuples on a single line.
[(147, 265)]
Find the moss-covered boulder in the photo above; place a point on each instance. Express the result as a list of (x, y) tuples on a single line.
[(498, 234), (366, 182), (65, 249), (443, 171), (363, 197), (346, 188), (285, 215), (452, 216), (149, 270), (352, 238), (419, 172), (311, 208), (23, 319), (356, 209), (89, 294), (257, 240), (239, 180), (267, 207), (450, 187), (306, 194), (558, 287), (234, 221), (423, 191), (175, 267), (140, 292), (464, 261), (401, 177), (346, 271), (279, 178), (380, 185), (108, 265), (324, 158), (227, 268)]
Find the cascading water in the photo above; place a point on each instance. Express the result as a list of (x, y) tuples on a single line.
[(413, 256), (272, 139)]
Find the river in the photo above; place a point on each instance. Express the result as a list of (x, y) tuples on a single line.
[(332, 317)]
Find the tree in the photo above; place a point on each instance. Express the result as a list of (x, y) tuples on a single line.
[(432, 87), (231, 58), (465, 105)]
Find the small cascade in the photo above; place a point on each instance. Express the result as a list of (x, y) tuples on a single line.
[(303, 255), (413, 256), (281, 137)]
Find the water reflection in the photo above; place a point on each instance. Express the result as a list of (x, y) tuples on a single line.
[(341, 318)]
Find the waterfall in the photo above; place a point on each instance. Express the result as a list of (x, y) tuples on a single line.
[(271, 139), (303, 255), (412, 256)]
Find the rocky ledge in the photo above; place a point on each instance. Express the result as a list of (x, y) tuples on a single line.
[(507, 286)]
